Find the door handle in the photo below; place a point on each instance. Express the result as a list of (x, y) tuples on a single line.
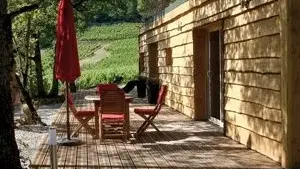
[(209, 73)]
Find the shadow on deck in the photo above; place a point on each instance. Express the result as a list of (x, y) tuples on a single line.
[(182, 143)]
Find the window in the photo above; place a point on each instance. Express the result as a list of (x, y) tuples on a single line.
[(169, 59)]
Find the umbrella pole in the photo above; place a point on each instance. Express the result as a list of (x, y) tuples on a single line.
[(68, 141), (68, 116)]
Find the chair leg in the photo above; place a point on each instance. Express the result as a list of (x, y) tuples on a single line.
[(148, 121), (76, 130), (89, 130), (144, 125), (124, 133), (154, 126), (144, 128), (84, 123), (101, 129)]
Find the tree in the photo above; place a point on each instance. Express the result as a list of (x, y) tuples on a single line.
[(29, 29), (9, 154), (25, 44), (38, 67), (148, 8)]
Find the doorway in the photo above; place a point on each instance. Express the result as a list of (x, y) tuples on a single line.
[(214, 76), (208, 76)]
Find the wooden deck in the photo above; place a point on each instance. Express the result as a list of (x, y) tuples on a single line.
[(182, 143)]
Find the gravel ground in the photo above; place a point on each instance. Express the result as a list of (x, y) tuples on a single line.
[(28, 136)]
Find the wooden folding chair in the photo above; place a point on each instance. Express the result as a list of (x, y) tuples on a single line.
[(83, 115), (112, 114), (149, 114)]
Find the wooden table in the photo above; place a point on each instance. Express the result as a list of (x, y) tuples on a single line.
[(96, 100)]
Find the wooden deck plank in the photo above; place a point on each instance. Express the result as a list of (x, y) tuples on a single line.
[(153, 150), (182, 152), (124, 156), (174, 154), (198, 153), (82, 150), (113, 155), (61, 156), (188, 152), (92, 151), (59, 135), (146, 155), (182, 143), (43, 148), (157, 152), (62, 152), (70, 162), (71, 158), (135, 156), (209, 154), (46, 161), (82, 157), (41, 152), (103, 155)]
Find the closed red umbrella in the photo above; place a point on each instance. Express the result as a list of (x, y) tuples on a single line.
[(67, 63), (67, 67)]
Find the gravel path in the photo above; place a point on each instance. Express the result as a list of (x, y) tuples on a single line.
[(28, 136), (98, 56)]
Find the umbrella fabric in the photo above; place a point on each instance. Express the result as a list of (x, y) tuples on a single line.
[(67, 67), (66, 62)]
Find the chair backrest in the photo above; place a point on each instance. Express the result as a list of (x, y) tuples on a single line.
[(70, 102), (103, 87), (112, 101), (161, 97)]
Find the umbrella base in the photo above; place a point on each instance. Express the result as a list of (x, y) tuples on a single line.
[(69, 142)]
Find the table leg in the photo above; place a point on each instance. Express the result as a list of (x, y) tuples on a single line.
[(127, 124), (97, 105)]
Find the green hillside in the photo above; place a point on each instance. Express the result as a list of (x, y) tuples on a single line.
[(120, 41)]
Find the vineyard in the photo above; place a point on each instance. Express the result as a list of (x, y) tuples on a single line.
[(121, 43)]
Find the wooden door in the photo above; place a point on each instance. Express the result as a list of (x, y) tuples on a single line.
[(200, 39)]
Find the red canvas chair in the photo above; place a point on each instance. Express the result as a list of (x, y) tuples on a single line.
[(112, 114), (83, 115), (149, 114)]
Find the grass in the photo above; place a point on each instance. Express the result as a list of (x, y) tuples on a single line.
[(111, 32), (122, 40), (122, 61)]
